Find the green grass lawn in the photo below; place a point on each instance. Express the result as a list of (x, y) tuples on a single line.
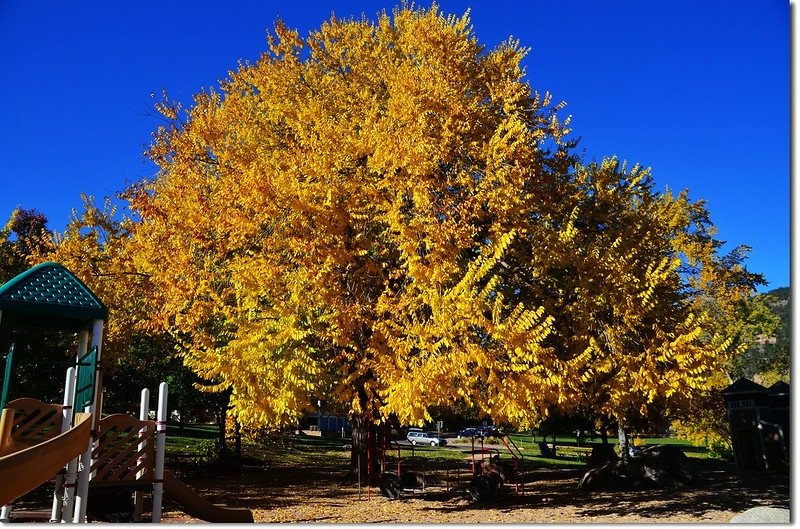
[(568, 454), (290, 449), (191, 439)]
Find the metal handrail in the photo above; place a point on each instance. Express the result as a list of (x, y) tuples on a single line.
[(7, 377)]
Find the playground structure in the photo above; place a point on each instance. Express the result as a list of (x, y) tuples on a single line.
[(489, 472), (40, 441), (399, 480), (32, 464), (759, 420)]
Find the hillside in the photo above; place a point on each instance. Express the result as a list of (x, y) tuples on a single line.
[(772, 354), (782, 306)]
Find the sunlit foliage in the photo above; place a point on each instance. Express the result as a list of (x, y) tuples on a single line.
[(386, 215)]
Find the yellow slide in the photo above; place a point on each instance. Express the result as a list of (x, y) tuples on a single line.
[(23, 467), (194, 505)]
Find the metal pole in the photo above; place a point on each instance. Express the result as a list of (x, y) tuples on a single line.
[(9, 366), (472, 439), (369, 460), (161, 431), (144, 412), (66, 421), (84, 471), (82, 493), (5, 512), (68, 510)]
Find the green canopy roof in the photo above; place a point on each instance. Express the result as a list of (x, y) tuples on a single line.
[(49, 296)]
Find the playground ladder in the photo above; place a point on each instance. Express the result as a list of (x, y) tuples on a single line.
[(519, 460)]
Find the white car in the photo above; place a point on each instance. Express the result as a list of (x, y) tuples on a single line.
[(417, 437)]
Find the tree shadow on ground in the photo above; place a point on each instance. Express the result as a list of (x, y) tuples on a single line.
[(277, 486), (286, 484), (715, 489)]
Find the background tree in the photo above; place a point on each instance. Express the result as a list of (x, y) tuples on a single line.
[(776, 363), (24, 236), (753, 323), (663, 306), (94, 247)]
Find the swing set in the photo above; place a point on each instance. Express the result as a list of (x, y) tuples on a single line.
[(489, 472)]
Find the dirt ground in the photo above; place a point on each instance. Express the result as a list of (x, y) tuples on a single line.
[(317, 495)]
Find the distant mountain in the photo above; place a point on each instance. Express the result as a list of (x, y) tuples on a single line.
[(773, 353), (780, 292), (783, 308)]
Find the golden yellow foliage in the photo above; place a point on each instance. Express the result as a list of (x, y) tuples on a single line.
[(312, 227), (384, 215), (94, 248)]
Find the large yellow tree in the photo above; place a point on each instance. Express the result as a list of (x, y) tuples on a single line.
[(332, 199), (385, 215)]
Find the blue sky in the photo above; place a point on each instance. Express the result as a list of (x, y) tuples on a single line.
[(697, 90)]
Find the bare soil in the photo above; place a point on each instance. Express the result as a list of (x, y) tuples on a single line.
[(285, 493)]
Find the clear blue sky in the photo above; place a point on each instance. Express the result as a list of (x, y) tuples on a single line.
[(696, 89)]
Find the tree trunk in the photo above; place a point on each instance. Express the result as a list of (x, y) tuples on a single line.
[(623, 443), (363, 454), (222, 415), (604, 432), (237, 446)]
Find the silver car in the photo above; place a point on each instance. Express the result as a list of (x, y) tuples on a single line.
[(416, 437)]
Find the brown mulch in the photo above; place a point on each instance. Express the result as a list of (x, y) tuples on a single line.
[(549, 495)]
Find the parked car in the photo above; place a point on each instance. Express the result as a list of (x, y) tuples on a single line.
[(468, 432), (417, 437), (489, 431), (479, 432)]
